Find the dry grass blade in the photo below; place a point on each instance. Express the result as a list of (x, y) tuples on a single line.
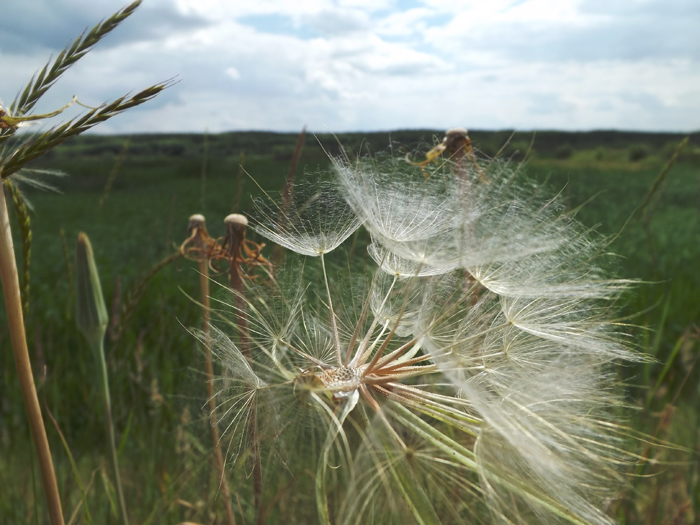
[(239, 183), (662, 176), (136, 293), (114, 172), (278, 251)]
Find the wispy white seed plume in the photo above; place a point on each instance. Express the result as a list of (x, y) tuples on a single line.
[(466, 378), (316, 220)]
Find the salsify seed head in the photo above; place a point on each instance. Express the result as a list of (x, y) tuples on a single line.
[(464, 377), (315, 221)]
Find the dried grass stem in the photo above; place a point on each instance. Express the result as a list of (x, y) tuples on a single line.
[(15, 321), (198, 233)]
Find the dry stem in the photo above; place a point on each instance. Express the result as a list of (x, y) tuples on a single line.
[(278, 251), (234, 240), (15, 320), (199, 233)]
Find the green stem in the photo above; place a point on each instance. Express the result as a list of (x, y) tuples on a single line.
[(336, 427), (97, 345)]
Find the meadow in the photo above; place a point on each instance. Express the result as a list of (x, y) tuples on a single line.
[(133, 197)]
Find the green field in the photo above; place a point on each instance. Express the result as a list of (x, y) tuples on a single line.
[(155, 366)]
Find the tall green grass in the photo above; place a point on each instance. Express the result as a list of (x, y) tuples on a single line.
[(155, 368)]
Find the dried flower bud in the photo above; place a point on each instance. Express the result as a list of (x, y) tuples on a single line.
[(456, 132), (457, 143), (91, 309), (236, 220), (236, 225), (196, 221)]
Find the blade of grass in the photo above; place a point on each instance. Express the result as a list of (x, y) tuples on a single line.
[(74, 515), (654, 349), (109, 491), (113, 174), (662, 175), (669, 362), (413, 494), (122, 442), (74, 467)]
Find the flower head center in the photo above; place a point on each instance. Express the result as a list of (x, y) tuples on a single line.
[(342, 380)]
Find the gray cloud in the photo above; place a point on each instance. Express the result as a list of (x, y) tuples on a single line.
[(32, 25), (629, 31), (334, 69), (338, 22)]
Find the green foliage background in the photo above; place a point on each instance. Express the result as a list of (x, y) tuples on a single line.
[(158, 389)]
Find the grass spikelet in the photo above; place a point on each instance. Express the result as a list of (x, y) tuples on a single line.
[(48, 140), (51, 72)]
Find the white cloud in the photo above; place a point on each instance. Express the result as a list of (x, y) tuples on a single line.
[(363, 65), (233, 73)]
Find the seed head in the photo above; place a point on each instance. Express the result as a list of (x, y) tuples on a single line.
[(196, 221), (472, 372)]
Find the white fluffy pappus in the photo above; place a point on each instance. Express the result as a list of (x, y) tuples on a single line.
[(467, 377)]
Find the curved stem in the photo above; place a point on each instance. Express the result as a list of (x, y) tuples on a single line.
[(15, 320), (336, 428)]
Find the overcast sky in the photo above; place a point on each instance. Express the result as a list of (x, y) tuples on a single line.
[(362, 65)]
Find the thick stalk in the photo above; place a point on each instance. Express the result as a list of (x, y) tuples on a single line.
[(15, 321), (208, 366)]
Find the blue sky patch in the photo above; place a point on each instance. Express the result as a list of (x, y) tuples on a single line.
[(278, 25)]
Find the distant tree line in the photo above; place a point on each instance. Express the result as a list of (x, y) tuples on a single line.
[(280, 146)]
